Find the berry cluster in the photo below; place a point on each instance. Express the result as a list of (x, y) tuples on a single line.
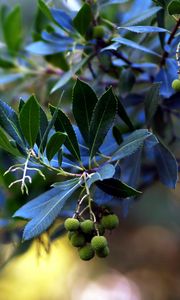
[(88, 236)]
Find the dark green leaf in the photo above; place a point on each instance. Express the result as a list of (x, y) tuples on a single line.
[(6, 64), (117, 188), (127, 80), (151, 101), (84, 101), (174, 7), (123, 115), (12, 29), (43, 125), (83, 19), (45, 10), (63, 124), (10, 123), (58, 60), (54, 144), (29, 120), (102, 120), (6, 145)]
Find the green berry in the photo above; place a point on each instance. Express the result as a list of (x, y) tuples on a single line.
[(87, 226), (110, 221), (176, 85), (71, 224), (78, 239), (86, 252), (98, 242), (103, 252), (98, 32)]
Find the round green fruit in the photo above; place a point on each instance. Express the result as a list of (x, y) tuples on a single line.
[(103, 252), (110, 221), (176, 85), (98, 242), (86, 252), (71, 224), (78, 239), (87, 226), (98, 32)]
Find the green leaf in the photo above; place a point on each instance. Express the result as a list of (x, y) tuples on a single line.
[(43, 125), (12, 29), (83, 19), (45, 10), (6, 145), (117, 188), (68, 75), (123, 115), (6, 64), (54, 144), (10, 123), (63, 124), (174, 7), (132, 143), (84, 101), (58, 60), (102, 120), (29, 120), (151, 101)]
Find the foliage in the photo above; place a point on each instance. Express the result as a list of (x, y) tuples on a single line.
[(117, 71)]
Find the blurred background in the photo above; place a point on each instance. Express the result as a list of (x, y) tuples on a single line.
[(144, 262)]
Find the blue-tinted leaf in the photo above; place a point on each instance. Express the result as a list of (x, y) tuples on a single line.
[(45, 209), (55, 144), (152, 101), (135, 10), (57, 38), (63, 124), (45, 10), (143, 29), (134, 45), (143, 15), (104, 172), (84, 101), (166, 165), (117, 188), (103, 3), (10, 123), (8, 78), (131, 144), (68, 75), (29, 120), (83, 19), (43, 48), (102, 120), (62, 19), (166, 75), (124, 116)]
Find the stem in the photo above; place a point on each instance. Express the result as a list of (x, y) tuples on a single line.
[(172, 35)]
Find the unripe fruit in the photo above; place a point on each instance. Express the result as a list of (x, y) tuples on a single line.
[(176, 85), (78, 240), (103, 252), (71, 224), (110, 221), (87, 226), (98, 32), (86, 252), (98, 242)]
